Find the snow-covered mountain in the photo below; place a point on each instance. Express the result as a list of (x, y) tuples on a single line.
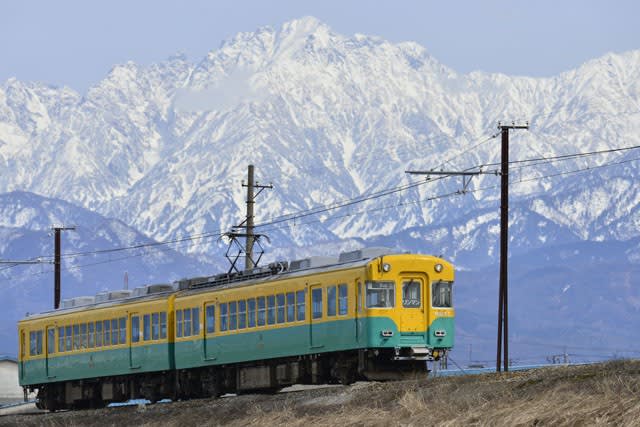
[(327, 118)]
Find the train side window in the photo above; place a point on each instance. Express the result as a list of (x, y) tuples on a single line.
[(67, 338), (76, 337), (107, 332), (291, 307), (32, 343), (163, 325), (178, 323), (242, 314), (91, 338), (261, 311), (251, 313), (280, 309), (211, 318), (301, 305), (331, 301), (155, 326), (83, 336), (316, 300), (123, 330), (114, 332), (135, 328), (271, 309), (186, 317), (39, 342), (343, 300), (195, 318), (60, 339), (233, 319), (381, 294), (411, 293), (99, 333), (223, 316), (51, 340), (146, 326)]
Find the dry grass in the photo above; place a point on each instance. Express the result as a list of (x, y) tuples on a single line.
[(607, 394)]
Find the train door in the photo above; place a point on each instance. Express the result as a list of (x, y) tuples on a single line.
[(210, 350), (50, 346), (134, 349), (413, 313), (317, 335)]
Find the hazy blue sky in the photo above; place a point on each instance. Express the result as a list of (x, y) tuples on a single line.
[(77, 42)]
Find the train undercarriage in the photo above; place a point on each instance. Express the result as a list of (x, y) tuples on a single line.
[(264, 376)]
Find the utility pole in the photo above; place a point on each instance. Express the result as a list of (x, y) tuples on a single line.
[(503, 300), (56, 263), (251, 200)]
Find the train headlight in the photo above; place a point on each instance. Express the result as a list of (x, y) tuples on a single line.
[(386, 267), (438, 268)]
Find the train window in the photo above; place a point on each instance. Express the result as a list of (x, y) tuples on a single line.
[(195, 318), (211, 318), (178, 323), (146, 325), (60, 340), (76, 337), (342, 300), (114, 331), (441, 294), (98, 333), (135, 329), (242, 314), (316, 300), (67, 338), (301, 305), (83, 335), (51, 340), (106, 325), (280, 310), (233, 319), (39, 342), (91, 338), (223, 316), (123, 330), (381, 294), (261, 311), (411, 293), (186, 316), (291, 307), (32, 343), (359, 297), (155, 326), (251, 313), (271, 309), (331, 301), (163, 325)]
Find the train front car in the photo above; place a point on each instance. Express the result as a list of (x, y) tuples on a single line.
[(408, 316)]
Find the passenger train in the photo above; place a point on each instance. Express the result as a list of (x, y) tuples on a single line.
[(366, 315)]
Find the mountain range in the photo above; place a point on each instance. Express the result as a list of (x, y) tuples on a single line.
[(330, 120)]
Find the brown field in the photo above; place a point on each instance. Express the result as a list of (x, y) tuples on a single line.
[(604, 394)]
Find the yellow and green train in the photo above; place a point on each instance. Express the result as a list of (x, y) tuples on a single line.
[(367, 315)]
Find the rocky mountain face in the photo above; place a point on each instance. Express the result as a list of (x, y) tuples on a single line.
[(329, 118)]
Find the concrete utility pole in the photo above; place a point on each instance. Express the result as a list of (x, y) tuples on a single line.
[(251, 200), (503, 300), (56, 263)]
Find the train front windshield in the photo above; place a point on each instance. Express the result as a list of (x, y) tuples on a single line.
[(441, 294)]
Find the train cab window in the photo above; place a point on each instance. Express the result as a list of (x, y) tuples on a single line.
[(83, 335), (67, 338), (106, 325), (51, 340), (135, 328), (76, 337), (271, 309), (291, 307), (223, 317), (60, 340), (114, 332), (380, 294), (280, 308), (178, 323), (316, 301), (195, 319), (90, 336), (251, 313), (342, 300), (210, 318), (163, 325), (186, 317), (411, 293), (233, 317), (155, 326), (98, 334), (242, 314), (300, 312), (261, 311), (146, 326), (331, 301), (441, 294)]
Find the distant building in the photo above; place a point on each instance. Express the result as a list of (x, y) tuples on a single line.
[(10, 391)]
